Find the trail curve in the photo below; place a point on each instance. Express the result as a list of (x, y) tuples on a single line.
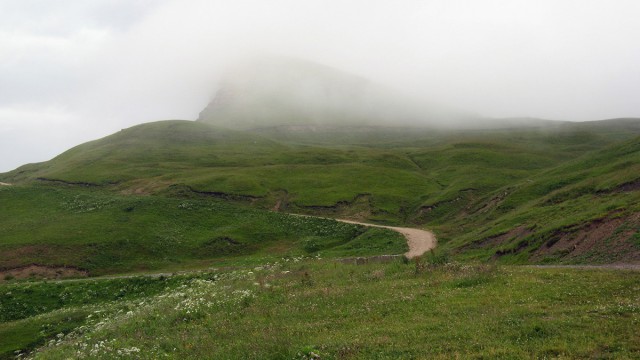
[(419, 241)]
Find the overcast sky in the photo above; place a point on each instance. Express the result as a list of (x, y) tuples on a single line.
[(76, 70)]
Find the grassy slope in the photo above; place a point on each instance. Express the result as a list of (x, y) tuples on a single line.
[(106, 233), (467, 185), (401, 170), (292, 309), (585, 189)]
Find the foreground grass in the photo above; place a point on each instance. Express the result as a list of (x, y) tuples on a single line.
[(301, 309)]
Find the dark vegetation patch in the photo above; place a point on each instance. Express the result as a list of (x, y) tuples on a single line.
[(219, 246), (21, 301), (224, 196), (64, 182), (514, 249)]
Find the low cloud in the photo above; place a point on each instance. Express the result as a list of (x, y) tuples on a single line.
[(104, 65)]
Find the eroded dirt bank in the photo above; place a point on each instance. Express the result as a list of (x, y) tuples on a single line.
[(34, 271)]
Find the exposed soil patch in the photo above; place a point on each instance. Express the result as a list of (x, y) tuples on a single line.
[(227, 196), (185, 190), (630, 186), (461, 203), (522, 244), (49, 255), (64, 182), (220, 245), (42, 272), (630, 267), (360, 207), (493, 203), (282, 201), (4, 184), (607, 240), (501, 239)]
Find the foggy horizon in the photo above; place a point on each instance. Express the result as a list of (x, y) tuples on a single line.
[(81, 70)]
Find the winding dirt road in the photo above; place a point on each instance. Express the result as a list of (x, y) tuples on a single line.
[(419, 241)]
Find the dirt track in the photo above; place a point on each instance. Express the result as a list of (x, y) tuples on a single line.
[(419, 241)]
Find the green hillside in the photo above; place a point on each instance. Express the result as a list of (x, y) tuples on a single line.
[(101, 232), (204, 211), (502, 194), (583, 211)]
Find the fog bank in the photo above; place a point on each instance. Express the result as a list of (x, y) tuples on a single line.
[(76, 70)]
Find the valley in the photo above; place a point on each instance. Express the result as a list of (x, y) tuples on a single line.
[(178, 238), (272, 229)]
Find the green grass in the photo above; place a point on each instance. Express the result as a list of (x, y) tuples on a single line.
[(21, 300), (33, 312), (290, 309), (106, 233), (564, 197), (177, 195), (465, 185), (400, 169)]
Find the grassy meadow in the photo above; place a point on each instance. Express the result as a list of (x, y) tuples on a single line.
[(525, 184), (308, 308), (206, 214), (105, 233)]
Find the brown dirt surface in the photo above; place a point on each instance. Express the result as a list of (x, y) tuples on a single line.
[(4, 184), (501, 239), (609, 240), (41, 272), (15, 257), (358, 208), (629, 267), (630, 186), (419, 241)]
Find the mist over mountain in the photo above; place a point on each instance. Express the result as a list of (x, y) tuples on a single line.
[(258, 179), (279, 91)]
